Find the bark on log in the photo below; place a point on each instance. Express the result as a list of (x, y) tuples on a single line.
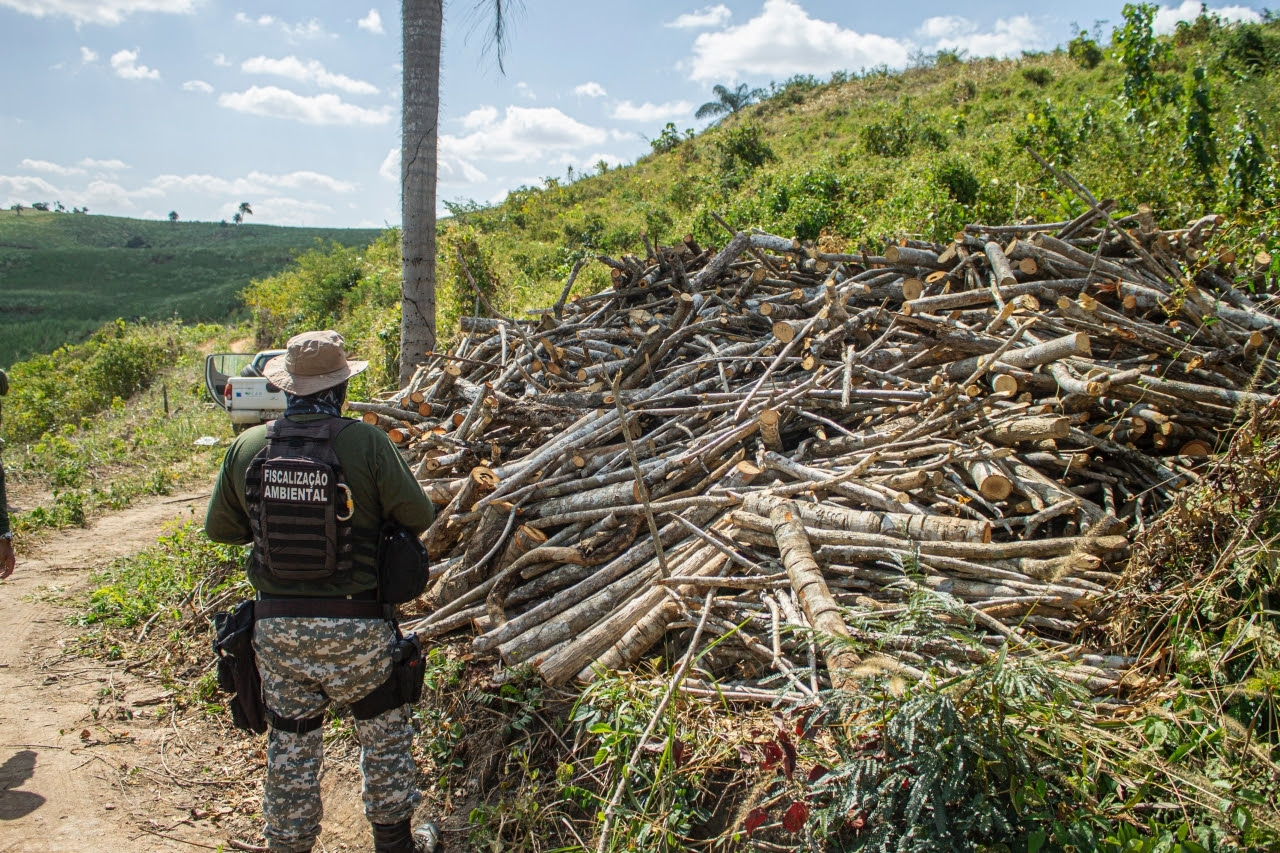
[(811, 589)]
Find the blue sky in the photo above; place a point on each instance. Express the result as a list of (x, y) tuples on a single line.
[(139, 107)]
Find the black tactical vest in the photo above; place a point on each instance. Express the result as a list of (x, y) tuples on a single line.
[(299, 507)]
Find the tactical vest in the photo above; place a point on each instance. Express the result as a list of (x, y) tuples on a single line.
[(299, 507)]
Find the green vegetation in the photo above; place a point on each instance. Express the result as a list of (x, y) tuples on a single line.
[(1012, 756), (160, 580), (64, 275), (93, 426)]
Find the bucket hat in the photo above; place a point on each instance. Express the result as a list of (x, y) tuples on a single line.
[(313, 361)]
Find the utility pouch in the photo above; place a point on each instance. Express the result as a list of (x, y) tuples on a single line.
[(408, 668), (238, 667), (403, 565)]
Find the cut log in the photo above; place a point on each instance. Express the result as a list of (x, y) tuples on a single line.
[(811, 589)]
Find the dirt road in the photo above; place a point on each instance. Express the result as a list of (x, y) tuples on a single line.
[(83, 764), (60, 740)]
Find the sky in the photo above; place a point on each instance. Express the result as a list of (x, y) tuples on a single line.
[(140, 108)]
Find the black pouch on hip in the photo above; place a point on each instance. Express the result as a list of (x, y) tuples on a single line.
[(403, 565), (408, 668), (238, 667)]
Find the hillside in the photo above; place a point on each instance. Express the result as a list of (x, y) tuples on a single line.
[(63, 275), (1184, 124)]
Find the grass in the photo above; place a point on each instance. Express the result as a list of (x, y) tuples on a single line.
[(63, 275), (100, 459)]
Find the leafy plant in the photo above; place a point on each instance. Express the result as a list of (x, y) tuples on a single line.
[(1084, 51), (1140, 54), (1200, 144)]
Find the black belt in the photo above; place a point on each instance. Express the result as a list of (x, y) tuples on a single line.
[(268, 607)]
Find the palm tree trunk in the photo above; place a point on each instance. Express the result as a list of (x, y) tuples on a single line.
[(422, 24)]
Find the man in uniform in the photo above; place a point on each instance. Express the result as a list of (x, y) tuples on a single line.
[(7, 559), (323, 638)]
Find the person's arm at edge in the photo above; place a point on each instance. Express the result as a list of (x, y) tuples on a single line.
[(401, 494), (226, 520)]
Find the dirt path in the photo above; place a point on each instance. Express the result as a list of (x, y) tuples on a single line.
[(61, 741), (88, 756)]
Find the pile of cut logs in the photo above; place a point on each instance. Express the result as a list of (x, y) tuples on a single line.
[(783, 445)]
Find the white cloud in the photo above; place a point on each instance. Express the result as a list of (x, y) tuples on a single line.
[(105, 12), (261, 20), (253, 185), (460, 172), (274, 102), (1010, 37), (87, 55), (704, 18), (479, 117), (627, 111), (784, 41), (590, 89), (303, 31), (220, 60), (371, 22), (24, 189), (125, 64), (304, 180), (526, 91), (1167, 17), (107, 194), (390, 168), (51, 168), (311, 71), (523, 134), (105, 165), (288, 211), (197, 86)]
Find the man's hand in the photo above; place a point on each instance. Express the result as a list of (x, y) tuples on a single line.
[(7, 558)]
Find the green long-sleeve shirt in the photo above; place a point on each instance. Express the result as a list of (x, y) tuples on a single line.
[(382, 487)]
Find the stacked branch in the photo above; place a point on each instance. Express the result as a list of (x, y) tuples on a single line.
[(811, 445)]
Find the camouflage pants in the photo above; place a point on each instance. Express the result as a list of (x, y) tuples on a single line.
[(307, 663)]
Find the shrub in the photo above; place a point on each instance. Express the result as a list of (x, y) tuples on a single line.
[(1084, 50), (1249, 48), (741, 151), (668, 139), (79, 381), (958, 180), (1038, 76)]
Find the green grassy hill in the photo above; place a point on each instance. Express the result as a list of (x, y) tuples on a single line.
[(1186, 124), (63, 275)]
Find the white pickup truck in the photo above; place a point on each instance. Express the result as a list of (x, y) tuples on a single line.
[(235, 382)]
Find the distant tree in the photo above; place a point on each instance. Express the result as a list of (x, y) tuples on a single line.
[(173, 216), (84, 210), (245, 210), (57, 205), (40, 205), (17, 208), (222, 223), (728, 102), (237, 219)]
